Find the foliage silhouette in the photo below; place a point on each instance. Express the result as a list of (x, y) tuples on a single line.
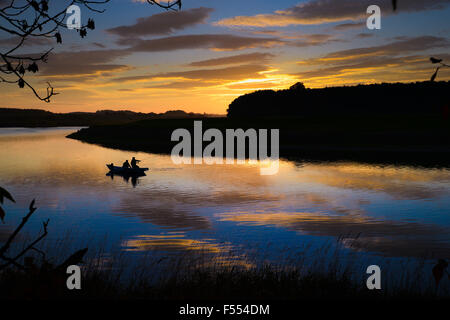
[(27, 20), (439, 269), (28, 261), (404, 98)]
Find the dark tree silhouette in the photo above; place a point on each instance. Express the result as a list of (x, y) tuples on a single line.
[(27, 20)]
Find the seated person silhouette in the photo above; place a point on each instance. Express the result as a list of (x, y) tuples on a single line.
[(126, 165)]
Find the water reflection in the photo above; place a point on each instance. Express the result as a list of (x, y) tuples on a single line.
[(127, 177), (399, 211)]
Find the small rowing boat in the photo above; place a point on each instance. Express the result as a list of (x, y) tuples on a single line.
[(127, 171)]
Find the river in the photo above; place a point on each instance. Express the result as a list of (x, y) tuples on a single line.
[(378, 212)]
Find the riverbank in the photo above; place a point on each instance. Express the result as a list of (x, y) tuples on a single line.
[(202, 277), (36, 118), (414, 139)]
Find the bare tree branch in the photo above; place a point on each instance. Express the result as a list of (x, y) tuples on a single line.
[(28, 19), (170, 5), (6, 246)]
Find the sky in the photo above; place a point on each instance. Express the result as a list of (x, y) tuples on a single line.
[(143, 58)]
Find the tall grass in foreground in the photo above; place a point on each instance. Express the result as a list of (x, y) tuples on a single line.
[(305, 273)]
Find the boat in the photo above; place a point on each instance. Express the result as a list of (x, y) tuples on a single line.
[(126, 171)]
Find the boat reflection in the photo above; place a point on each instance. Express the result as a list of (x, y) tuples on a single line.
[(127, 177)]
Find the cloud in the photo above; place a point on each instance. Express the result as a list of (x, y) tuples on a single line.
[(83, 63), (29, 41), (402, 46), (350, 25), (362, 65), (397, 47), (219, 42), (365, 35), (235, 59), (326, 11), (163, 23), (230, 73), (389, 237), (395, 61), (190, 84), (318, 39)]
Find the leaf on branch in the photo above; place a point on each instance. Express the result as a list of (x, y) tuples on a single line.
[(83, 33), (21, 70), (91, 24), (434, 74), (21, 83), (5, 194), (33, 67), (35, 5), (24, 24), (2, 214), (394, 4), (44, 5), (58, 37), (179, 4)]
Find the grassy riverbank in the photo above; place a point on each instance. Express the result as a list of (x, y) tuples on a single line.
[(200, 276)]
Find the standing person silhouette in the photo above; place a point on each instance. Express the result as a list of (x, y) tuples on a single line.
[(134, 163)]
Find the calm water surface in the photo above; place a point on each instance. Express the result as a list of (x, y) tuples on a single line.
[(397, 211)]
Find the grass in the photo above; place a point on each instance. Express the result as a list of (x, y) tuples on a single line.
[(202, 276)]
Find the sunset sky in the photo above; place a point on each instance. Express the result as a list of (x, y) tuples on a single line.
[(143, 58)]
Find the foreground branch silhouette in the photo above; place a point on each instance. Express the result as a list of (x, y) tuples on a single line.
[(441, 65), (32, 20), (8, 261), (170, 5)]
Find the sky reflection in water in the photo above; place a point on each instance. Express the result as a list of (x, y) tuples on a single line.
[(398, 211)]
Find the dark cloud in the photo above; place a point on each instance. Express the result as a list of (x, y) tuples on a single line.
[(163, 23), (409, 45), (365, 35), (390, 60), (235, 59), (99, 45), (191, 84), (308, 40), (360, 64), (403, 45), (325, 11), (201, 41), (83, 62), (230, 73), (350, 25), (30, 41)]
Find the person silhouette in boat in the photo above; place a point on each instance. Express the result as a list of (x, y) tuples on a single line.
[(126, 165), (134, 163)]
